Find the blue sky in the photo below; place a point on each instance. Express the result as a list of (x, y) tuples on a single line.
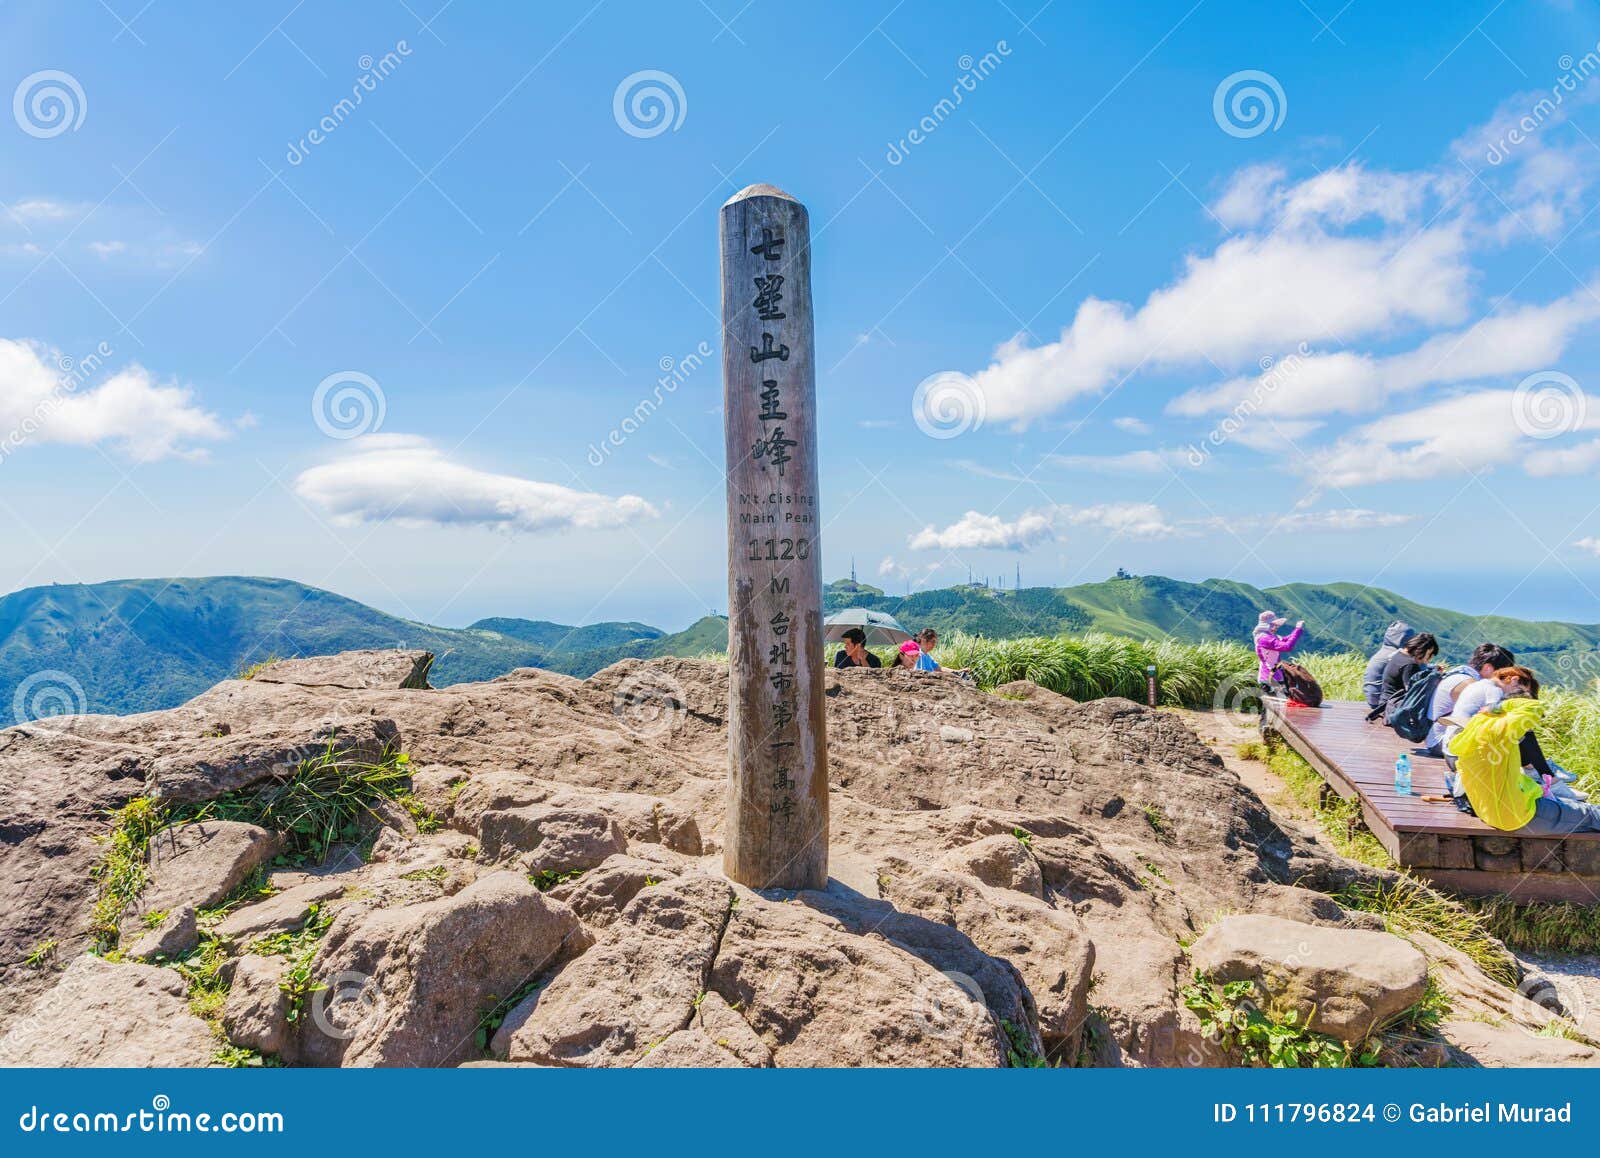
[(1343, 327)]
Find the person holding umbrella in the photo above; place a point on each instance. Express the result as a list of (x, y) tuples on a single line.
[(855, 653)]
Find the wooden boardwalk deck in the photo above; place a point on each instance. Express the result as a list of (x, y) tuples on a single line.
[(1433, 839)]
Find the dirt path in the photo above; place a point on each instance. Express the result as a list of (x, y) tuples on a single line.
[(1223, 732)]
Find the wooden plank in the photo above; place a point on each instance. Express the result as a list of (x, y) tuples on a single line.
[(1449, 847)]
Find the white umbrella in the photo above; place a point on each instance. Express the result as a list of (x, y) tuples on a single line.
[(881, 628)]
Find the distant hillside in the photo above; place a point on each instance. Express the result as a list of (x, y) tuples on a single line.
[(143, 644)]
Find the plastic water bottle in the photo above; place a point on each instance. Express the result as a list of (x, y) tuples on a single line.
[(1402, 775)]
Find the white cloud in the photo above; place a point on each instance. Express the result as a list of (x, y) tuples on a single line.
[(982, 471), (1253, 294), (1510, 342), (1343, 519), (1591, 545), (1259, 196), (980, 532), (1456, 436), (404, 479), (1131, 462), (1130, 425), (1129, 519), (43, 209), (974, 531), (105, 249), (41, 402)]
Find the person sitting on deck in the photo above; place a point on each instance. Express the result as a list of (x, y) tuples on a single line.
[(1487, 659), (1271, 648), (1493, 753), (1397, 636), (1482, 695), (1418, 652), (855, 653)]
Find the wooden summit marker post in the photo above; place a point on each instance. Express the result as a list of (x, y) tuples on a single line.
[(777, 831)]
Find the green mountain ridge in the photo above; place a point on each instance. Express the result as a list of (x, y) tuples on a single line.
[(144, 644)]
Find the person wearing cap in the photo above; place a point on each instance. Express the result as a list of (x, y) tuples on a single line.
[(907, 656), (1272, 647)]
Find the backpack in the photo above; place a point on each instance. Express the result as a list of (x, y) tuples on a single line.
[(1411, 712), (1300, 685)]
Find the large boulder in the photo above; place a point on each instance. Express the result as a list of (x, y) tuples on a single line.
[(177, 934), (106, 1015), (634, 989), (543, 838), (1048, 946), (352, 669), (821, 994), (1343, 982), (280, 913), (228, 760), (256, 1013), (200, 863), (407, 986), (600, 894)]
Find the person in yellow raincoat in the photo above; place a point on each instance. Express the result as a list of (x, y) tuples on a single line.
[(1494, 753)]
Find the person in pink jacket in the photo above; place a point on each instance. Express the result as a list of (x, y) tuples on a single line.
[(1272, 647)]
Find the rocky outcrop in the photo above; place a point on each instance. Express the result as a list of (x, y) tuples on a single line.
[(634, 989), (993, 859), (177, 934), (1345, 982), (201, 863), (352, 670), (101, 1014), (407, 986)]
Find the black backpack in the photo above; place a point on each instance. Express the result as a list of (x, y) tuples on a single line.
[(1411, 712), (1300, 685)]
